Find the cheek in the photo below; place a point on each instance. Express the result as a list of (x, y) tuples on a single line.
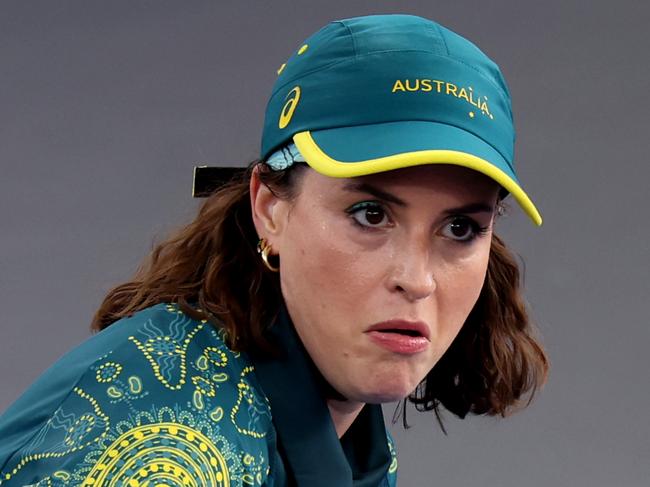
[(321, 267), (459, 286)]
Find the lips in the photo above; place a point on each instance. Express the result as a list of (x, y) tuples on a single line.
[(400, 336), (402, 327)]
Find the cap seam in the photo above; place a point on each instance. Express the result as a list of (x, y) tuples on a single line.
[(444, 41), (354, 42), (347, 60), (359, 56), (483, 76)]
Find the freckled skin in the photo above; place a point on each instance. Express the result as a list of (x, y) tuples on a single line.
[(338, 279)]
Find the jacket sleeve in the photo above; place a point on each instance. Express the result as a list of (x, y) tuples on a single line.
[(161, 409)]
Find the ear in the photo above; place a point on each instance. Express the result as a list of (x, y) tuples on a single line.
[(268, 210)]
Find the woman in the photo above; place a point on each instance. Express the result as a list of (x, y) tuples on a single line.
[(354, 264)]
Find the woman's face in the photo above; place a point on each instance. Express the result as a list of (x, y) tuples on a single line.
[(380, 272)]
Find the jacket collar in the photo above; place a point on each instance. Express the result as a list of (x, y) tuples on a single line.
[(313, 454)]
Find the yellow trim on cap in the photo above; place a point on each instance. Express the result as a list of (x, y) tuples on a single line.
[(324, 164)]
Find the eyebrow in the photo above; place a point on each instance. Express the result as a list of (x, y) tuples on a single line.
[(471, 208), (383, 195), (376, 192)]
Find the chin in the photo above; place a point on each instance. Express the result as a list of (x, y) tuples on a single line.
[(389, 391)]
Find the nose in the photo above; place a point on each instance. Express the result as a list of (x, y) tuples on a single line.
[(412, 275)]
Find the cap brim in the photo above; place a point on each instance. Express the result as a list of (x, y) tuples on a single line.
[(367, 149)]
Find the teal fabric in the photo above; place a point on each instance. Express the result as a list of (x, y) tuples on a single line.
[(158, 398), (402, 137), (378, 69), (316, 457)]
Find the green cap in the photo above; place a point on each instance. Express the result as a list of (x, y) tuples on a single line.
[(382, 92)]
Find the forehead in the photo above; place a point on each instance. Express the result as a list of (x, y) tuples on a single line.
[(426, 180)]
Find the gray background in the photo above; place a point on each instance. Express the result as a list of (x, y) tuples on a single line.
[(106, 106)]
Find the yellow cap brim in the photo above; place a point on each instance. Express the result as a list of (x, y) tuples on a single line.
[(328, 166)]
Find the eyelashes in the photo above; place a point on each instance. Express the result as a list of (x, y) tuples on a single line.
[(372, 216), (369, 214), (464, 229)]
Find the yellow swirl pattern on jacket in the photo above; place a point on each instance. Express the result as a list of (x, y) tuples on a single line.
[(169, 454)]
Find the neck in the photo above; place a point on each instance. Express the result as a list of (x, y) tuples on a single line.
[(343, 414)]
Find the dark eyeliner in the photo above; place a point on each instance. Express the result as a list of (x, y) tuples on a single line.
[(361, 206), (477, 229)]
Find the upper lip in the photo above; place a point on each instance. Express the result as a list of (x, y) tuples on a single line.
[(397, 324)]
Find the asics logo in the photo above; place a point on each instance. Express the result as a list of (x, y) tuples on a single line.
[(289, 107)]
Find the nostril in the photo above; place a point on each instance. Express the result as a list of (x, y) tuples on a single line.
[(414, 293)]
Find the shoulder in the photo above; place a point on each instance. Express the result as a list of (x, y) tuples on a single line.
[(156, 394)]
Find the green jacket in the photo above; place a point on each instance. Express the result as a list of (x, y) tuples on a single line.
[(158, 399)]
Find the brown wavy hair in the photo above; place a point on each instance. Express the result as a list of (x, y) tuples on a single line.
[(211, 269)]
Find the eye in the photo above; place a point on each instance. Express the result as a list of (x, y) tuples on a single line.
[(463, 229), (368, 214)]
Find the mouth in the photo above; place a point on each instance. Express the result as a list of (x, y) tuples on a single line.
[(402, 328), (408, 333), (401, 337)]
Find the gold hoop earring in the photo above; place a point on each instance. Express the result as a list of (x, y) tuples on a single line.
[(264, 248)]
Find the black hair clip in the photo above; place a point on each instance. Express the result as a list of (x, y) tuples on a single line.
[(208, 179)]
